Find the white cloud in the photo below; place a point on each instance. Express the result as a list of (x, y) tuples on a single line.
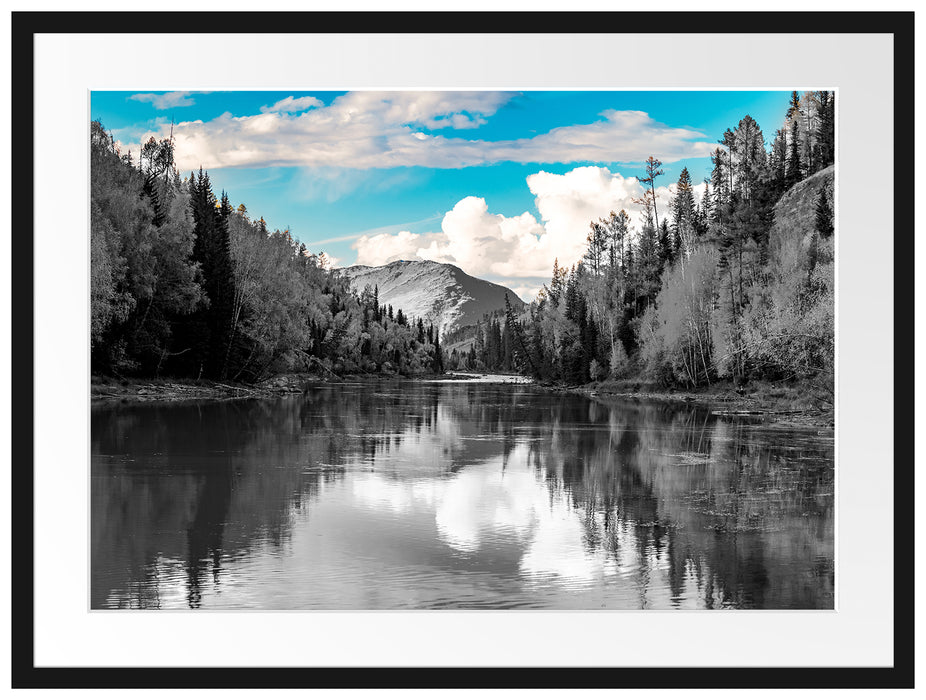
[(527, 290), (486, 244), (383, 248), (519, 250), (165, 100), (365, 130), (621, 137), (291, 104)]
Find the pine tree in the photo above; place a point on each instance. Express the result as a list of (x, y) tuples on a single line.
[(222, 305), (779, 160), (826, 130), (666, 246), (212, 250), (557, 283), (752, 160), (521, 351), (652, 172), (719, 182), (705, 211), (150, 190), (683, 211), (597, 241), (794, 145), (823, 221)]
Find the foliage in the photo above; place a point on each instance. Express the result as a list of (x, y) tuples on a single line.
[(184, 284), (734, 287)]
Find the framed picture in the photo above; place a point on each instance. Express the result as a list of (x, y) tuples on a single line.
[(518, 343)]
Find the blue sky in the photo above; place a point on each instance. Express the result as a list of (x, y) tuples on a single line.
[(498, 183)]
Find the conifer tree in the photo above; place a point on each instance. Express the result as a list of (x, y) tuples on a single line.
[(521, 351), (823, 220), (794, 144), (683, 211), (719, 182), (705, 210), (826, 130), (652, 172), (779, 160), (557, 283), (666, 246), (212, 251)]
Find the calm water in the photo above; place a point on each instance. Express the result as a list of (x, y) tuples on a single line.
[(455, 495)]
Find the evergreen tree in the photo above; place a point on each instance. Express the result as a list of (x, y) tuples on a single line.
[(652, 172), (719, 182), (779, 160), (823, 221), (705, 211), (557, 283), (666, 246), (522, 354), (826, 130), (794, 144), (683, 212), (751, 159), (597, 246)]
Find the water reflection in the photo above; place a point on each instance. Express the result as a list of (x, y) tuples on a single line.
[(450, 495)]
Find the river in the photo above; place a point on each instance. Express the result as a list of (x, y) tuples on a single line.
[(455, 495)]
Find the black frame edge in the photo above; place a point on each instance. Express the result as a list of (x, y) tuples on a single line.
[(25, 674)]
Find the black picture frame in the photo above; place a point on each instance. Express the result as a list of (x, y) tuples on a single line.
[(25, 674)]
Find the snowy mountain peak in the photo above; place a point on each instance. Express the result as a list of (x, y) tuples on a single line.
[(438, 293)]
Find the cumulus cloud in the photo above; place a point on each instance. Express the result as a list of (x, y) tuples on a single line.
[(367, 129), (519, 251), (384, 248), (293, 104), (165, 100)]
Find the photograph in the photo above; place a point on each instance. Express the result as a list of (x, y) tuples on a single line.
[(445, 349), (458, 349)]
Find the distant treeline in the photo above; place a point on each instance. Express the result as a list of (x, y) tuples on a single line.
[(184, 285), (486, 344), (728, 287)]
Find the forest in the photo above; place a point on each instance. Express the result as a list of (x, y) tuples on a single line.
[(730, 281), (734, 285), (185, 285)]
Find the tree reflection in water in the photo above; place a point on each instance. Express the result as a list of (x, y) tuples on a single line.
[(454, 495)]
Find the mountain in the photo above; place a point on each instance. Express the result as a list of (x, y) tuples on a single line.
[(436, 292)]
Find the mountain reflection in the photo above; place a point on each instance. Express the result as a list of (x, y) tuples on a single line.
[(451, 495)]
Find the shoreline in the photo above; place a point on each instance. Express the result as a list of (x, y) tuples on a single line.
[(168, 389), (778, 403)]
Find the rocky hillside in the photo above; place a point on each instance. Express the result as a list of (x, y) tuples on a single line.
[(795, 212), (436, 292)]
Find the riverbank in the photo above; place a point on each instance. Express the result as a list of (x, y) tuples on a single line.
[(779, 403), (782, 403), (102, 388), (181, 389)]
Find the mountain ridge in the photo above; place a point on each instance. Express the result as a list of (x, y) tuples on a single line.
[(439, 293)]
